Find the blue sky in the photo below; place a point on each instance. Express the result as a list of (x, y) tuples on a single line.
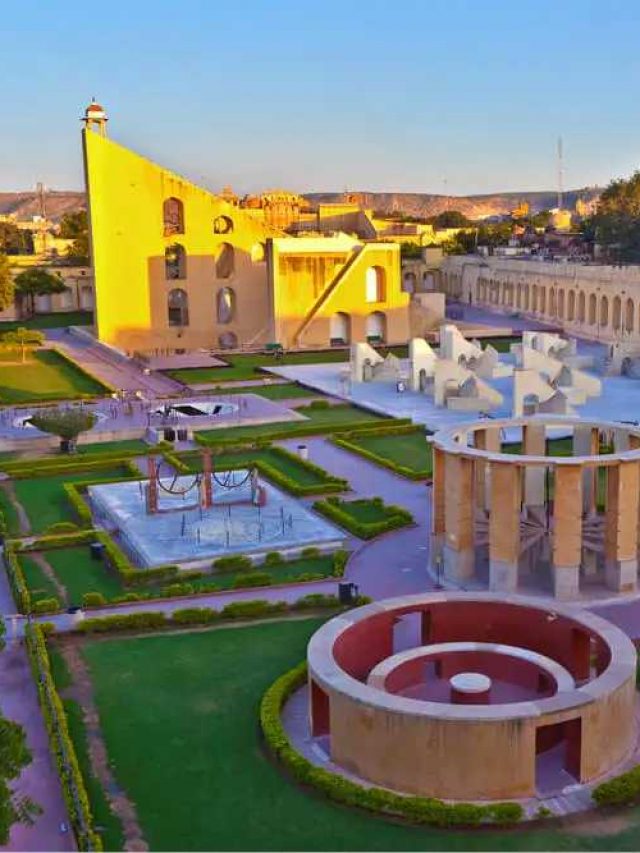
[(452, 96)]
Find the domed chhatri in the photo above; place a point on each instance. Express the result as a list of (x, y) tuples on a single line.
[(95, 117)]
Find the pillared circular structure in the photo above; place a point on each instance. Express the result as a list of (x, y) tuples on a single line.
[(516, 508), (391, 695)]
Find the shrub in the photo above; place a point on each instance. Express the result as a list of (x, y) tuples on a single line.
[(195, 616), (93, 599), (61, 527), (318, 404), (234, 563), (17, 582), (123, 622), (315, 599), (619, 790), (310, 553), (340, 558), (247, 609), (418, 809), (248, 579), (175, 590), (339, 511), (46, 605), (273, 558)]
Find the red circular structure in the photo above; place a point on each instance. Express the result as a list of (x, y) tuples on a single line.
[(557, 704)]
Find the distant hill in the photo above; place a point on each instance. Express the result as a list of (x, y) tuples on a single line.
[(473, 206), (27, 204), (58, 202)]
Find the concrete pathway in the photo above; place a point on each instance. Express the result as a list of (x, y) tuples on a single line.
[(39, 780)]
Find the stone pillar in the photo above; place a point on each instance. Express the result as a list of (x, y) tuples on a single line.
[(459, 513), (485, 439), (504, 526), (621, 526), (586, 442), (152, 485), (534, 444), (567, 530), (437, 506)]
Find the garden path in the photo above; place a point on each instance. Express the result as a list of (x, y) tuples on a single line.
[(44, 564), (23, 518)]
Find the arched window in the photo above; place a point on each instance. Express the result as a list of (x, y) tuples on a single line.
[(409, 282), (571, 308), (581, 307), (175, 262), (258, 253), (226, 261), (628, 320), (534, 302), (561, 304), (617, 313), (222, 225), (543, 300), (428, 282), (173, 216), (604, 311), (374, 285), (519, 296), (376, 327), (225, 305), (592, 309), (228, 340), (178, 307), (340, 329), (552, 302), (526, 297)]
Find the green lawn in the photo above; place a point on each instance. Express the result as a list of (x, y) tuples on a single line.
[(179, 716), (128, 447), (79, 573), (326, 420), (44, 498), (289, 466), (50, 321), (365, 510), (10, 515), (45, 376), (283, 391), (410, 450)]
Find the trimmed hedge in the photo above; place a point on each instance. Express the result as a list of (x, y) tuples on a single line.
[(121, 564), (58, 540), (333, 508), (73, 787), (301, 430), (620, 790), (74, 465), (424, 810), (345, 441), (17, 582)]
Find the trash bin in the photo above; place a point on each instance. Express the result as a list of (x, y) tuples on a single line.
[(347, 593), (97, 550)]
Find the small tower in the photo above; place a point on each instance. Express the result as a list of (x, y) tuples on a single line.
[(95, 118)]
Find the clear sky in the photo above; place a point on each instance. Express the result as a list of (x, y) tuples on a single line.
[(452, 96)]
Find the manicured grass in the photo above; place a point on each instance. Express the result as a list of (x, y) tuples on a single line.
[(45, 376), (44, 498), (282, 573), (365, 511), (410, 450), (50, 321), (326, 420), (364, 517), (284, 391), (128, 447), (79, 573), (40, 586), (179, 716), (9, 514)]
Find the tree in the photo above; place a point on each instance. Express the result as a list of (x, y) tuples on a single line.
[(67, 424), (617, 219), (37, 281), (75, 226), (14, 240), (450, 219), (22, 339), (7, 287)]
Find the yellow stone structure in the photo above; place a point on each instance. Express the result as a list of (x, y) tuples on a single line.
[(178, 268)]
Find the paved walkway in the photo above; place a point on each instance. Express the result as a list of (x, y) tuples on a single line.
[(39, 781)]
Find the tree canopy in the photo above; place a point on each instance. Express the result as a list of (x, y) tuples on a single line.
[(22, 339), (617, 219), (67, 424), (75, 226), (14, 240), (37, 281), (450, 219), (7, 287)]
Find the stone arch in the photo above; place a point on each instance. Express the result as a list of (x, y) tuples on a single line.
[(376, 327), (629, 313), (175, 262), (553, 308), (571, 307), (604, 312), (225, 305), (222, 225), (527, 292), (561, 304), (519, 295), (543, 300), (340, 329), (258, 253), (616, 313), (592, 309), (178, 307), (225, 261), (581, 307), (172, 216), (428, 281), (375, 282)]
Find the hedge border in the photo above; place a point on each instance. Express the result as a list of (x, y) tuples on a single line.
[(332, 509), (71, 778), (51, 464), (422, 810), (346, 443)]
